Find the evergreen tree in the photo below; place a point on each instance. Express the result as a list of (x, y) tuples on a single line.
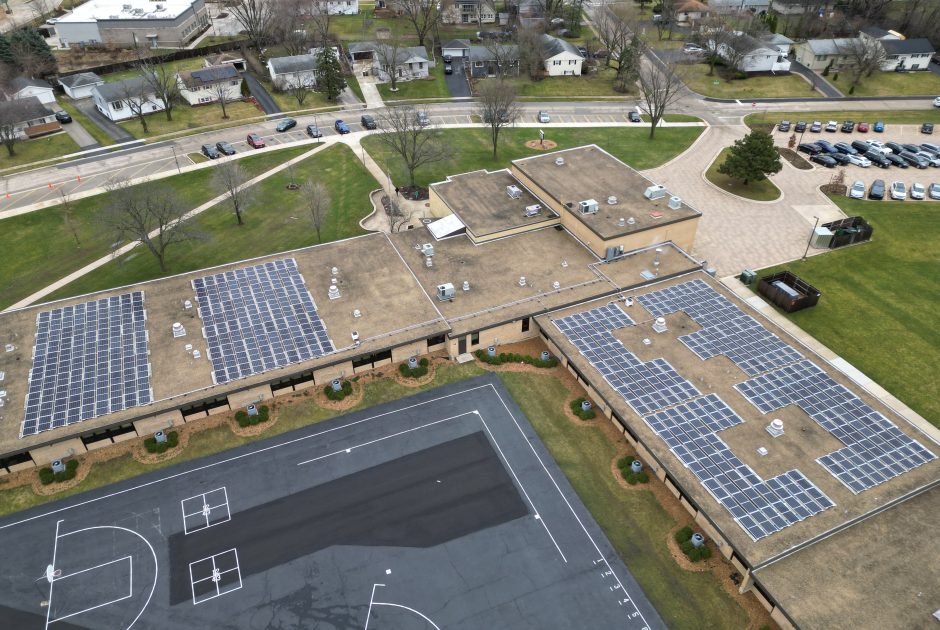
[(330, 79), (752, 157), (6, 55), (31, 53)]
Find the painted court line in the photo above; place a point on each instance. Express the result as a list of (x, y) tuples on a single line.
[(204, 510), (215, 575), (373, 603), (130, 587)]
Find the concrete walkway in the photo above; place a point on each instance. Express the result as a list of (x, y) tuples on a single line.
[(370, 92), (80, 135)]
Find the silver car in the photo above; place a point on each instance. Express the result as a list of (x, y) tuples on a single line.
[(918, 191), (859, 160), (933, 191), (544, 117), (898, 191), (857, 191)]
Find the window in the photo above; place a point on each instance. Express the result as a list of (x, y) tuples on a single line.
[(525, 325), (117, 105), (556, 63), (477, 64), (571, 62), (436, 340), (474, 338)]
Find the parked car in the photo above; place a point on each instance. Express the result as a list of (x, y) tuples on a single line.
[(896, 160), (255, 141), (693, 49), (918, 191), (878, 146), (898, 191), (63, 117), (895, 147), (423, 119), (842, 158), (314, 132), (848, 127), (861, 146), (877, 190), (448, 68), (862, 128), (784, 125), (800, 127), (878, 159), (857, 191), (936, 102), (368, 122), (448, 58), (913, 148), (832, 126), (816, 127), (926, 128), (809, 149), (859, 160), (825, 160), (879, 127), (914, 160), (210, 151), (225, 147), (932, 159), (634, 117), (933, 191), (284, 125), (846, 148), (826, 146), (544, 117), (341, 127), (930, 148)]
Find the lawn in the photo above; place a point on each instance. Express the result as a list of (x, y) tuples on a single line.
[(896, 117), (890, 84), (696, 79), (39, 247), (192, 63), (362, 27), (600, 84), (288, 103), (879, 300), (96, 132), (764, 190), (186, 118), (43, 148), (472, 149), (432, 87), (353, 84), (276, 222)]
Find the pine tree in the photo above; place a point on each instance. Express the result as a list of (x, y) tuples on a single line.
[(330, 79), (6, 55), (752, 157)]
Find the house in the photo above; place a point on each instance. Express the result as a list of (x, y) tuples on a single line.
[(561, 57), (751, 55), (226, 59), (339, 7), (80, 85), (690, 11), (134, 23), (798, 7), (30, 117), (492, 61), (468, 12), (120, 99), (456, 48), (208, 85), (409, 62), (293, 71), (728, 6), (906, 54), (21, 87), (876, 33), (782, 42), (818, 54)]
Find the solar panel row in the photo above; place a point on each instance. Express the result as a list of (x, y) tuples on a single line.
[(875, 451), (89, 360), (259, 318)]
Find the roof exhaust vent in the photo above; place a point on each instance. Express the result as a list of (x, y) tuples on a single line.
[(466, 285), (559, 161), (334, 271), (357, 313), (675, 203), (333, 293), (621, 222), (631, 221), (556, 285), (513, 191), (521, 281), (775, 428), (612, 201), (659, 325), (178, 330)]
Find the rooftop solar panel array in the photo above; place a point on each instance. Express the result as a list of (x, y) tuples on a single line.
[(259, 318), (646, 386), (725, 328), (760, 507), (90, 359), (875, 451)]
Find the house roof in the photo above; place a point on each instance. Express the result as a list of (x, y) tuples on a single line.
[(777, 39), (117, 90), (839, 46), (457, 43), (295, 63), (486, 53), (875, 32), (20, 83), (24, 109), (223, 57), (692, 6), (81, 79), (554, 46), (403, 54), (744, 43), (207, 76), (915, 46)]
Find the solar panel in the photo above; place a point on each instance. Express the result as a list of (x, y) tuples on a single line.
[(725, 329), (258, 319), (759, 507), (875, 451), (89, 360)]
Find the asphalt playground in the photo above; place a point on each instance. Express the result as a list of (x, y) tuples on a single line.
[(441, 510)]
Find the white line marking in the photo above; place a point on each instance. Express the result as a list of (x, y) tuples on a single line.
[(205, 511), (55, 548), (97, 566), (130, 590), (409, 609), (216, 576), (371, 599)]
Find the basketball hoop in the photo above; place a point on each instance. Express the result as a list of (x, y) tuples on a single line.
[(52, 573)]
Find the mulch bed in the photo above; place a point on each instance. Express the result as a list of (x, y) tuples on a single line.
[(341, 405)]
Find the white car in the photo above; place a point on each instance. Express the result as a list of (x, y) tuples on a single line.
[(857, 191), (898, 191), (859, 160), (878, 146), (936, 102), (932, 159), (918, 191), (544, 117), (933, 191), (693, 49), (832, 126)]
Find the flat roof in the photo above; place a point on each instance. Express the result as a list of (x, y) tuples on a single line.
[(803, 440), (589, 172), (393, 311), (483, 203), (127, 10)]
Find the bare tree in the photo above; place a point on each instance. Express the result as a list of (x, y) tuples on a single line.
[(286, 28), (551, 8), (230, 179), (320, 21), (221, 91), (422, 14), (869, 10), (68, 215), (41, 8), (504, 56), (29, 60), (629, 55), (317, 200), (150, 213), (863, 57), (9, 134), (164, 82), (497, 106), (134, 94), (733, 48), (611, 30), (387, 52), (660, 87), (299, 89), (415, 143), (530, 52), (255, 16), (667, 18)]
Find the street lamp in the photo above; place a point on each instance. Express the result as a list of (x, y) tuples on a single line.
[(175, 159), (810, 240)]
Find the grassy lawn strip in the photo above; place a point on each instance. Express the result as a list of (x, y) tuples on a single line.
[(889, 117), (764, 190), (600, 84), (43, 148), (696, 78), (39, 247), (879, 300), (472, 149), (276, 222), (186, 117), (674, 118), (890, 84), (193, 63), (96, 132), (353, 84), (635, 523), (432, 87)]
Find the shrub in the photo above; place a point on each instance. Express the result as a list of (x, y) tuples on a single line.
[(706, 552), (172, 441), (576, 409), (241, 417), (625, 461), (694, 554), (424, 362), (46, 476), (684, 534), (643, 477), (686, 547), (417, 372), (346, 390), (515, 358)]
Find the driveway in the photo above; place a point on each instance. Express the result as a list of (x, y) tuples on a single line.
[(115, 132), (80, 135), (820, 82), (261, 95), (457, 82)]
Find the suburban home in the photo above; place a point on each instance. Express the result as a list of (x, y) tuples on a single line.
[(226, 59), (209, 85), (80, 85), (456, 48), (561, 57), (492, 61), (32, 118), (293, 71), (817, 54), (798, 7), (468, 12), (782, 42), (728, 6), (907, 54), (408, 62), (750, 55), (690, 11), (134, 23), (21, 87), (117, 100), (339, 7)]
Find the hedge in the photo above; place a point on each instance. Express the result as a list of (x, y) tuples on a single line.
[(341, 394), (693, 553), (244, 420), (512, 357), (172, 441), (684, 534), (417, 372), (581, 413), (627, 473), (46, 476)]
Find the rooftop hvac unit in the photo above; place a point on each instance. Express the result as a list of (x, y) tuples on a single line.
[(675, 202), (822, 237), (446, 291), (126, 7), (655, 192), (427, 249), (533, 210), (613, 252), (588, 206), (513, 191)]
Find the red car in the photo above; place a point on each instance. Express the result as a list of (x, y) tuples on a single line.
[(255, 141), (862, 127)]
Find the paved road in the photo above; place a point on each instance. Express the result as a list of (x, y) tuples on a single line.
[(261, 95)]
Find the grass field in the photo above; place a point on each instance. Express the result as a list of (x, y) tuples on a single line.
[(696, 78), (890, 84), (879, 300), (44, 148), (764, 190), (186, 118), (600, 84), (889, 117), (276, 222), (96, 132), (39, 247), (433, 87), (472, 149)]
